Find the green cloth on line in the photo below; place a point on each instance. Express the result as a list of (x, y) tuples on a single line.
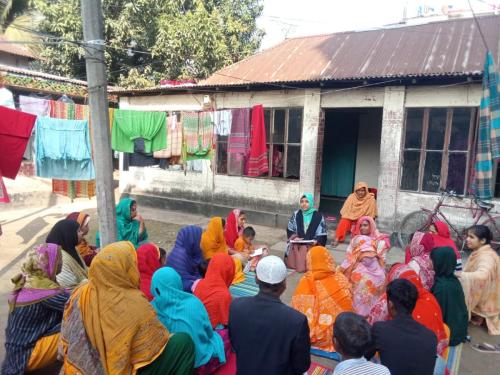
[(130, 125), (176, 359), (449, 293)]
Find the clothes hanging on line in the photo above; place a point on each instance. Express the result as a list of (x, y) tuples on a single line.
[(129, 125), (35, 106), (63, 149), (239, 142), (69, 188), (15, 132), (258, 163), (198, 136), (7, 98), (174, 139), (222, 121)]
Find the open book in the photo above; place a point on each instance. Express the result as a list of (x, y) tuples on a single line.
[(303, 242), (257, 252)]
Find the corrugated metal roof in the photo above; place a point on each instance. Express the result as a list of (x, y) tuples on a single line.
[(446, 48), (15, 49), (33, 73)]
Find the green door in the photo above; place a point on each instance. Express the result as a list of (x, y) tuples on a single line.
[(339, 154)]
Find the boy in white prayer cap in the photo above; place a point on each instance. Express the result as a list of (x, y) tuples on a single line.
[(268, 336)]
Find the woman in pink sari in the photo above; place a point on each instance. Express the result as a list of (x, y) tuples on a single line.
[(366, 226), (420, 260), (364, 268)]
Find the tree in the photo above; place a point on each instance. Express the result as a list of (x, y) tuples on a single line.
[(15, 18), (149, 40)]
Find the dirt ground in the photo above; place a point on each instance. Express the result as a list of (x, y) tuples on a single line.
[(26, 226)]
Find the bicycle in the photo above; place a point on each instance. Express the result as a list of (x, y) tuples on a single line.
[(421, 220)]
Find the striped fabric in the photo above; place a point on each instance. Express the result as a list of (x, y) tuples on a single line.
[(488, 142), (25, 326), (360, 367), (249, 287)]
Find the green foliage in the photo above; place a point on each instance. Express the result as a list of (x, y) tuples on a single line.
[(185, 38)]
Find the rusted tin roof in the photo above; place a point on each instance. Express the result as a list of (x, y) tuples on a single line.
[(12, 48), (446, 48)]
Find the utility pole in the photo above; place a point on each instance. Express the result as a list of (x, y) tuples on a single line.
[(93, 35)]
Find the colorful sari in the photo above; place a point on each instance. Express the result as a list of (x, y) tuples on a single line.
[(481, 284), (213, 290), (186, 256), (232, 231), (182, 312), (365, 270), (427, 310), (86, 251), (449, 294), (420, 261), (382, 240), (108, 325), (321, 294), (148, 261), (212, 240)]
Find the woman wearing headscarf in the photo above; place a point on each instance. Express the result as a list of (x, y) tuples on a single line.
[(213, 242), (213, 290), (364, 268), (442, 238), (305, 224), (66, 233), (86, 251), (480, 280), (359, 203), (235, 224), (420, 261), (449, 294), (110, 328), (36, 309), (182, 312), (427, 310), (130, 226), (321, 294), (186, 256), (148, 261), (366, 226)]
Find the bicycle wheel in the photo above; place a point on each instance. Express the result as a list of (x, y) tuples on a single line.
[(494, 225), (411, 223)]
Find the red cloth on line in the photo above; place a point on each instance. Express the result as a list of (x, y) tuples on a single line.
[(258, 163), (148, 261), (15, 132), (213, 290)]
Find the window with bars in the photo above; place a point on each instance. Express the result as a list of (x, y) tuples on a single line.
[(436, 149), (283, 135)]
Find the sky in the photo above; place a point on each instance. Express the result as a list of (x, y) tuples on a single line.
[(292, 18)]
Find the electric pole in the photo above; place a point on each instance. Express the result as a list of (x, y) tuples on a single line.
[(93, 35)]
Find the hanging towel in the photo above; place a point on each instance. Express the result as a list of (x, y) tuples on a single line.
[(15, 132), (35, 106), (174, 140), (488, 142), (258, 163), (129, 125), (6, 98), (239, 139), (4, 197), (63, 149), (198, 135), (222, 121)]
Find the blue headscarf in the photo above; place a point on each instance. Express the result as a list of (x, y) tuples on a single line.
[(182, 312), (186, 256)]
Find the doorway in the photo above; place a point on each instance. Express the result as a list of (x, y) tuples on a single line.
[(351, 153)]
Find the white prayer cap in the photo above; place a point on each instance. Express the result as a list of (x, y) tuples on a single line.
[(271, 270)]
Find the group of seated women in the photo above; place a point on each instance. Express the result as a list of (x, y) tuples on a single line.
[(127, 308)]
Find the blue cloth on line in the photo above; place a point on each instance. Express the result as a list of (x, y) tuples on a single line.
[(63, 149)]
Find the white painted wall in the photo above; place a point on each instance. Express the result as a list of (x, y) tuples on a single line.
[(368, 154)]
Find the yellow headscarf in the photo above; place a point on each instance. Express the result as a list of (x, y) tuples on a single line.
[(119, 321), (212, 240), (355, 207)]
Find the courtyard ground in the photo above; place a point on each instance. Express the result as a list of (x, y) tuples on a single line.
[(27, 222)]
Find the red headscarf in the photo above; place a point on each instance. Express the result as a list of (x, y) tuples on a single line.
[(213, 290), (148, 261), (443, 237), (232, 231)]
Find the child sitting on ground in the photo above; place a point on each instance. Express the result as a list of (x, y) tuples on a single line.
[(245, 248)]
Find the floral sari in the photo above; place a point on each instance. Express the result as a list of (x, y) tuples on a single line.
[(420, 261)]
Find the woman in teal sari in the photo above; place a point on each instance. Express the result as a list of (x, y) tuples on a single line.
[(182, 312), (130, 225)]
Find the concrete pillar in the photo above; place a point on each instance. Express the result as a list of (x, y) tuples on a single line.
[(312, 144), (390, 155)]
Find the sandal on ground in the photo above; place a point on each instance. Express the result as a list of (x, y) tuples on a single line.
[(486, 348)]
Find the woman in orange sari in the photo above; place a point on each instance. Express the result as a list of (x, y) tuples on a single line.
[(213, 242), (322, 294)]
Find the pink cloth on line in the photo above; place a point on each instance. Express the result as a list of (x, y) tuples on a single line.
[(4, 196)]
